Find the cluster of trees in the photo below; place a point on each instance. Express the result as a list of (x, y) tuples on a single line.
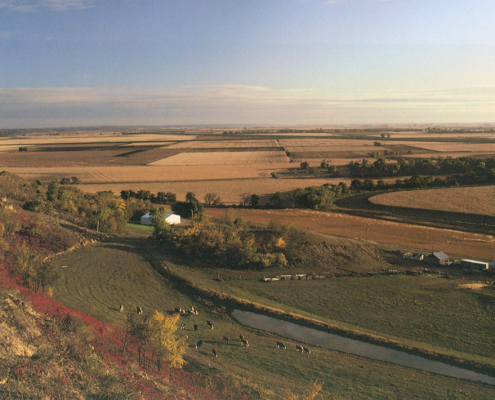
[(158, 198), (73, 180), (422, 166), (156, 340), (232, 243), (102, 209), (29, 264)]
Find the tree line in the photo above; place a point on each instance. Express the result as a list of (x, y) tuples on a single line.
[(422, 166)]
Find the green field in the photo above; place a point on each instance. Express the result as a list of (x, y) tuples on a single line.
[(99, 278)]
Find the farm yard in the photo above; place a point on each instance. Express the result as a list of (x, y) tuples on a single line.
[(470, 200)]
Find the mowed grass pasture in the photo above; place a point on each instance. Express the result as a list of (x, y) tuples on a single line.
[(97, 279)]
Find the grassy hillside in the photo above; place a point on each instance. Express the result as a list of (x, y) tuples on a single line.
[(99, 278)]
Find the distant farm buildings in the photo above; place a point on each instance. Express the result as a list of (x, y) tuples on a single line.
[(477, 265), (172, 219), (439, 258)]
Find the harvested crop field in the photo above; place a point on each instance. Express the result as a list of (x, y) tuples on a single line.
[(471, 200), (138, 174), (225, 158), (228, 144), (104, 138), (319, 143), (400, 235), (445, 147), (230, 190)]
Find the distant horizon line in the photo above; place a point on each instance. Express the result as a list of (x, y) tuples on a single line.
[(253, 125)]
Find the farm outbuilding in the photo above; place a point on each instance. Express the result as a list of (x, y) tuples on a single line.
[(172, 219), (479, 265), (438, 257), (491, 267)]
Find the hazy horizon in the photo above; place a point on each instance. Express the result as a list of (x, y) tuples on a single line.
[(81, 63)]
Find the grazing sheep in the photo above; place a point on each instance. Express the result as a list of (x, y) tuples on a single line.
[(121, 308), (182, 325), (241, 337)]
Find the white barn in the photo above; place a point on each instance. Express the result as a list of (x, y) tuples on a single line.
[(172, 219)]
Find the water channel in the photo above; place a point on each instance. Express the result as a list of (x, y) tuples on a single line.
[(334, 342)]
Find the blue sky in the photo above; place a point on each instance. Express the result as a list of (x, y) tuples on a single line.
[(290, 62)]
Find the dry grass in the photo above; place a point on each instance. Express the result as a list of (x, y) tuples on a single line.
[(472, 200), (225, 158), (212, 144), (386, 232)]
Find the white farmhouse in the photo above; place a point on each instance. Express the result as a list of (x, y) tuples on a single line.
[(172, 219)]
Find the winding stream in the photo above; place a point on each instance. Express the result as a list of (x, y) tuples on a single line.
[(356, 347)]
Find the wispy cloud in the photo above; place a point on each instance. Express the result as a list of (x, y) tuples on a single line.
[(31, 5), (333, 2), (232, 104), (8, 34)]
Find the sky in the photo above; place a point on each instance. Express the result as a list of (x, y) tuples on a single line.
[(251, 62)]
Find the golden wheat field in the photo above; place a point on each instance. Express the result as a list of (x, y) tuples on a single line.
[(473, 200), (225, 158)]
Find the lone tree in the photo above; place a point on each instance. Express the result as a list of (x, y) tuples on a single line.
[(211, 198), (305, 165)]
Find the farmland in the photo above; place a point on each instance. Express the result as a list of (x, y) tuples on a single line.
[(434, 311), (398, 234), (221, 158), (472, 200)]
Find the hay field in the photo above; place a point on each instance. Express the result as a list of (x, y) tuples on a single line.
[(227, 144), (225, 158), (462, 244), (472, 200)]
